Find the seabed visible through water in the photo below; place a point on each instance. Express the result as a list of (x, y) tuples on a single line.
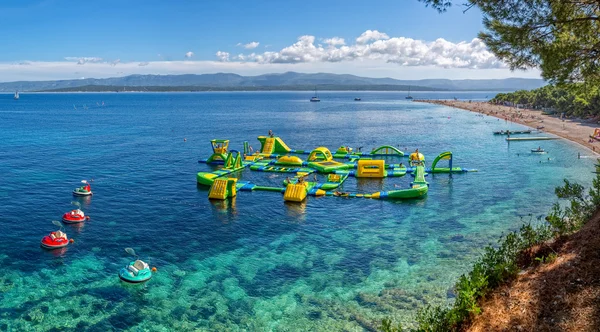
[(255, 262)]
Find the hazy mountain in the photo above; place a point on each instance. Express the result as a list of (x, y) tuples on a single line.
[(289, 79)]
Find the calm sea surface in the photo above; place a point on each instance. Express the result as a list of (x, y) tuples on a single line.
[(253, 263)]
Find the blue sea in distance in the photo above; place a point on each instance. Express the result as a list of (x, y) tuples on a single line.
[(253, 263)]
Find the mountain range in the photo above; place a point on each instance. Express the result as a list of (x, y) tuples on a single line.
[(290, 80)]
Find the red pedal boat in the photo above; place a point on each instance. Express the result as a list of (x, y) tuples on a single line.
[(74, 216), (55, 240)]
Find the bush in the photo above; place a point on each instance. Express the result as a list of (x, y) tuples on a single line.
[(500, 265)]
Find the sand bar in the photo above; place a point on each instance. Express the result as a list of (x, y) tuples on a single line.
[(575, 130)]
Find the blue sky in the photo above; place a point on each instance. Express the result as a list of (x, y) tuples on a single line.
[(71, 39)]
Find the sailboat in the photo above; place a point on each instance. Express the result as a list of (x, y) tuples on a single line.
[(316, 97), (409, 96), (16, 95)]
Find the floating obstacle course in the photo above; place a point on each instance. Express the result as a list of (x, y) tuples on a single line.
[(543, 138), (512, 132), (276, 156)]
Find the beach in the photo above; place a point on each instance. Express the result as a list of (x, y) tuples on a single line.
[(574, 130)]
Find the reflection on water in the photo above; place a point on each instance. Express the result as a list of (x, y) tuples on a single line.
[(296, 210), (224, 210)]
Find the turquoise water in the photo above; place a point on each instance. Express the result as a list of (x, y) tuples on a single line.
[(252, 263)]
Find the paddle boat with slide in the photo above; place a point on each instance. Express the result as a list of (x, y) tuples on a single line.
[(136, 271), (84, 190), (55, 240), (75, 216)]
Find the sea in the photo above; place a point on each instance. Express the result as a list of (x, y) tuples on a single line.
[(254, 262)]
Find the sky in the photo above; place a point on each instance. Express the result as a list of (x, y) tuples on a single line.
[(403, 39)]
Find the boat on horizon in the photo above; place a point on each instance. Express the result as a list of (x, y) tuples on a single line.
[(16, 97), (357, 99), (409, 97), (316, 96)]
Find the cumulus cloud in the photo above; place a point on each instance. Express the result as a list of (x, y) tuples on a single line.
[(369, 35), (335, 41), (84, 59), (251, 45), (222, 56), (142, 64), (378, 46), (189, 54), (114, 63)]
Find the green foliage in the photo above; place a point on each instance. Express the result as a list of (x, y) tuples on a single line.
[(580, 100), (433, 319), (547, 259), (499, 264), (559, 37), (594, 192), (387, 326)]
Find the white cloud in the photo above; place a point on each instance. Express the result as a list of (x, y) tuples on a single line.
[(223, 56), (84, 59), (335, 41), (251, 45), (369, 35), (374, 54), (189, 54), (375, 45)]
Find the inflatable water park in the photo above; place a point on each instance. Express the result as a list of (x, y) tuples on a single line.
[(276, 156)]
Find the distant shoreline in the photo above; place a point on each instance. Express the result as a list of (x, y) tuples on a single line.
[(204, 91), (573, 130)]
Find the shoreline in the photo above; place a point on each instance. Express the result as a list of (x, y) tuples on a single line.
[(572, 130)]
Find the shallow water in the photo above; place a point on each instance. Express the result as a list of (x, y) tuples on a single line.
[(254, 262)]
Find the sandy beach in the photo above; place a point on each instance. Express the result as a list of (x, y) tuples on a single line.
[(574, 130)]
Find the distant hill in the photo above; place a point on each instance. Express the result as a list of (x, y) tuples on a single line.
[(194, 88), (290, 80)]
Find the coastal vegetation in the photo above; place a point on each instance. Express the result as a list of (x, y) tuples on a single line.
[(560, 38), (501, 263), (576, 100)]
